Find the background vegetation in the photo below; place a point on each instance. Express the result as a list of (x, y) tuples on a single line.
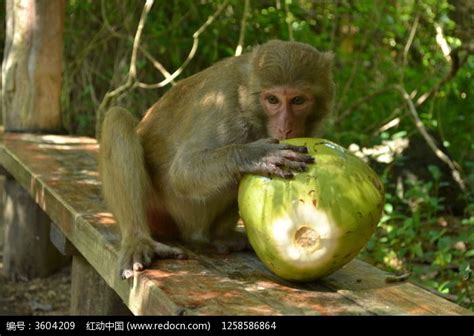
[(383, 49)]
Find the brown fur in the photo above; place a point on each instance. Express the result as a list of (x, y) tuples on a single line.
[(182, 163)]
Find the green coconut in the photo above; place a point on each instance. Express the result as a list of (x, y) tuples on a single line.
[(309, 226)]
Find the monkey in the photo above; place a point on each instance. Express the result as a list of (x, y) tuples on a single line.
[(175, 172)]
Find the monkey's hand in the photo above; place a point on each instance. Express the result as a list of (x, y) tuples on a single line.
[(137, 254), (270, 157)]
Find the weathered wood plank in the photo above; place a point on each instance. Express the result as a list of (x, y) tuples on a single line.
[(292, 298), (366, 285), (61, 174)]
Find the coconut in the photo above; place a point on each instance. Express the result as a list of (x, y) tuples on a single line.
[(311, 225)]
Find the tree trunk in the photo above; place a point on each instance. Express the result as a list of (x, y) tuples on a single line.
[(31, 87), (32, 65)]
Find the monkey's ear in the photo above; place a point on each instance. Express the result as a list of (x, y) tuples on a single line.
[(328, 59)]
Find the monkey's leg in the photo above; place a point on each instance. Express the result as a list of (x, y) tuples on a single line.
[(136, 253), (232, 241), (226, 236), (128, 192)]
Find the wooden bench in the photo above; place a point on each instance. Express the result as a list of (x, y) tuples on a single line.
[(60, 174)]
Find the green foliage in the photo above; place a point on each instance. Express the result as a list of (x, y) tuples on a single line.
[(413, 237), (377, 44)]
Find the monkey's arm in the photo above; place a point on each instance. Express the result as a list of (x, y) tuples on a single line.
[(199, 173)]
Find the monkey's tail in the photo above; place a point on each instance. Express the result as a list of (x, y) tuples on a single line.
[(125, 182)]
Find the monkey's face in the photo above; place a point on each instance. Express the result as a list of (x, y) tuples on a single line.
[(287, 109)]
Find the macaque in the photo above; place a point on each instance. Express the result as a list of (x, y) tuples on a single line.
[(176, 172)]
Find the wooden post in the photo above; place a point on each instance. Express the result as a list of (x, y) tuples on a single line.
[(31, 87), (28, 252), (2, 206), (32, 65), (90, 294)]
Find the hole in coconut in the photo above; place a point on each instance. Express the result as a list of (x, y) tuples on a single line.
[(307, 238)]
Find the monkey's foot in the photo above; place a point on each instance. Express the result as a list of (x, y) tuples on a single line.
[(137, 254), (235, 242)]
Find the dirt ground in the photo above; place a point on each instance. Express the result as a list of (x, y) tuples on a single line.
[(41, 296)]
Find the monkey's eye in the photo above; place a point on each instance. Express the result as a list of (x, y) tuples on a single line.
[(298, 100), (272, 99)]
